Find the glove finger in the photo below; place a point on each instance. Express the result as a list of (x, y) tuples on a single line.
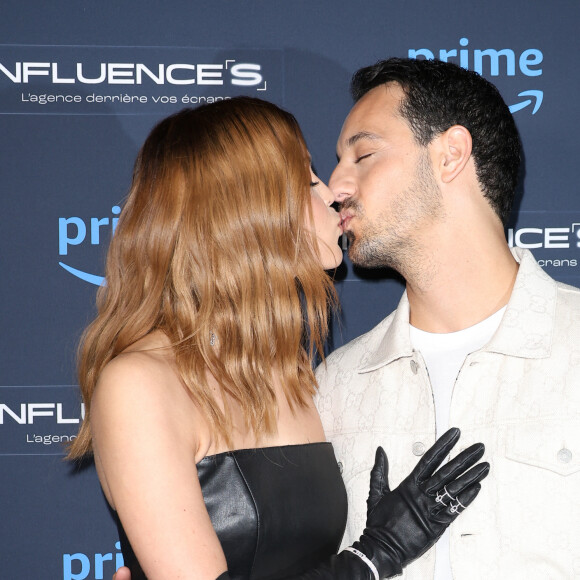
[(455, 467), (435, 455), (446, 514), (474, 475), (379, 479)]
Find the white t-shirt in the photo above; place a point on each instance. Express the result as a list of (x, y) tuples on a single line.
[(444, 355)]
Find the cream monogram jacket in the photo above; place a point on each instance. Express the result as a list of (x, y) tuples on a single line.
[(520, 395)]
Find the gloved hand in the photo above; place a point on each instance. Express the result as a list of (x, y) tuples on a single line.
[(404, 523)]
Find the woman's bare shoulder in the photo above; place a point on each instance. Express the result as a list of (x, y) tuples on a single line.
[(141, 390), (146, 368)]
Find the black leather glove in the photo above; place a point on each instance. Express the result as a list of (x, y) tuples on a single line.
[(404, 523)]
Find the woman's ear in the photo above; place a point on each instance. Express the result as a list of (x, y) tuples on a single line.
[(455, 144)]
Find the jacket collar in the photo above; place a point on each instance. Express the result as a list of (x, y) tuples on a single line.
[(525, 330), (395, 343), (527, 326)]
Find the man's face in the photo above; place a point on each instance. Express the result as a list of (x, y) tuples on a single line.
[(384, 182)]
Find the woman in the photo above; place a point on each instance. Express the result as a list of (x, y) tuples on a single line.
[(197, 372)]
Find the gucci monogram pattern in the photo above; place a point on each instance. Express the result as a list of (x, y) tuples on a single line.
[(520, 395)]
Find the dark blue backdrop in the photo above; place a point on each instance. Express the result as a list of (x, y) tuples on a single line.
[(81, 84)]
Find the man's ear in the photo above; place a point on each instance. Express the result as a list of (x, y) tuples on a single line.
[(455, 151)]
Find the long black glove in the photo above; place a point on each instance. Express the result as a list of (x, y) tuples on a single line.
[(404, 523)]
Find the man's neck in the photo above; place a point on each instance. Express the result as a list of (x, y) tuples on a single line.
[(463, 284)]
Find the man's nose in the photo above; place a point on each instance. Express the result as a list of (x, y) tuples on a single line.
[(340, 185)]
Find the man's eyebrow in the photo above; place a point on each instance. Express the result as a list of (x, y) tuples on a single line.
[(360, 136)]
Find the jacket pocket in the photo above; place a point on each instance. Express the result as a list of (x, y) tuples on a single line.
[(552, 443)]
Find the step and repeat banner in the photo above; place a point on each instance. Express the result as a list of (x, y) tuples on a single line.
[(80, 88)]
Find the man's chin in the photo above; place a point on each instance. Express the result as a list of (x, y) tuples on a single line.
[(357, 257), (365, 256), (356, 250)]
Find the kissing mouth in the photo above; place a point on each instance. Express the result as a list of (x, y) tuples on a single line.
[(345, 220)]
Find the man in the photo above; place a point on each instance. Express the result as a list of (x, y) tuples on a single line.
[(482, 338)]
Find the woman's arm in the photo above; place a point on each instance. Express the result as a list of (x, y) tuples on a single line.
[(145, 452)]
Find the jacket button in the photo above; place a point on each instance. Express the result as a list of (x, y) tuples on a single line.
[(414, 366), (564, 455), (418, 448)]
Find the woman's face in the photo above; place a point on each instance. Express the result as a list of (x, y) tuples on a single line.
[(327, 223)]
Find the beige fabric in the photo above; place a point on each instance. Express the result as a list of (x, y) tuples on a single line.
[(520, 395)]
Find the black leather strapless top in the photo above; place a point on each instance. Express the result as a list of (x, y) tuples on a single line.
[(277, 511)]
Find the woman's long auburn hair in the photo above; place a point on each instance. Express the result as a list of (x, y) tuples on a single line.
[(212, 242)]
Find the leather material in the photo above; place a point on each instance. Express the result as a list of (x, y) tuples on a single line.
[(277, 511), (405, 522)]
